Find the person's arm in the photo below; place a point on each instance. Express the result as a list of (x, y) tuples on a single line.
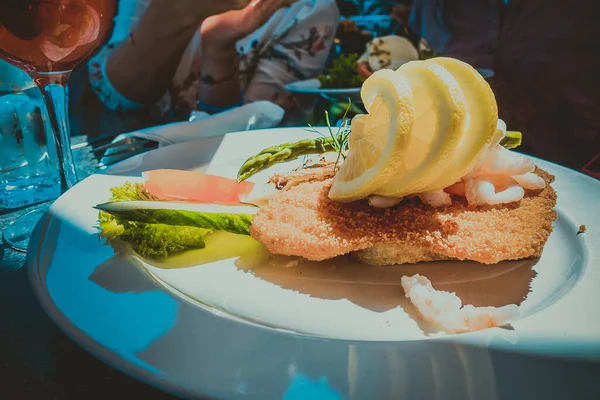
[(142, 67), (219, 82), (219, 86)]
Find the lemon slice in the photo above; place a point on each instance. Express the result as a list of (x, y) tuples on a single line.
[(481, 123), (439, 107), (378, 139)]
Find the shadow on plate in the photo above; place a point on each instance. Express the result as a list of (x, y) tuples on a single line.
[(374, 288), (122, 273), (378, 288)]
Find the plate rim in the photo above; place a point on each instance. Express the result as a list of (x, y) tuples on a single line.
[(87, 343)]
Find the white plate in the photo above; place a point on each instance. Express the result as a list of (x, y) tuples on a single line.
[(220, 330)]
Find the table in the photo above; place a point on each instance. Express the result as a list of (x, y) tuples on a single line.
[(37, 361)]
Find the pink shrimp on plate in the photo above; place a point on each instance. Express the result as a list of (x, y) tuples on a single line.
[(482, 190), (436, 198), (502, 177), (505, 162), (530, 181), (445, 309)]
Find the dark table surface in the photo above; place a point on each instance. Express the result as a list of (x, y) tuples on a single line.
[(37, 361)]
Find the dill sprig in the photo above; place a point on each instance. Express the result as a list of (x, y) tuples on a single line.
[(338, 140)]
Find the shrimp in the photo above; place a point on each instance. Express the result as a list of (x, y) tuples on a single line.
[(503, 161), (383, 201), (500, 126), (500, 178), (480, 191), (436, 198), (457, 189), (440, 307), (445, 309), (530, 181), (478, 318)]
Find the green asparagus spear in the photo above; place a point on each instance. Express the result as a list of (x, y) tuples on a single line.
[(337, 142), (284, 152)]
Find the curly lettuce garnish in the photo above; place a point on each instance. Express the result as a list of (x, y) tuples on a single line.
[(157, 241), (151, 240)]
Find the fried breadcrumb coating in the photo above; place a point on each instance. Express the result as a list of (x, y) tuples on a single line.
[(302, 221)]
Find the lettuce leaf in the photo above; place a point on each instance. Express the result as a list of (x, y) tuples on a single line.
[(204, 217), (160, 233), (154, 240), (148, 240), (131, 192)]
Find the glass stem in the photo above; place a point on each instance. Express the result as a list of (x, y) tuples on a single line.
[(57, 104)]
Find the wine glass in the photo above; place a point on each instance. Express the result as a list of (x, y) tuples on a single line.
[(47, 39)]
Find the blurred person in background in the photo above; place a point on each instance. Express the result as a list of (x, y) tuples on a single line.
[(363, 20), (546, 62), (183, 55)]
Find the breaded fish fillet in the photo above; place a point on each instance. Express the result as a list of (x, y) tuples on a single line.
[(302, 221)]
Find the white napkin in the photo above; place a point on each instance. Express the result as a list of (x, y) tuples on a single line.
[(256, 115)]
